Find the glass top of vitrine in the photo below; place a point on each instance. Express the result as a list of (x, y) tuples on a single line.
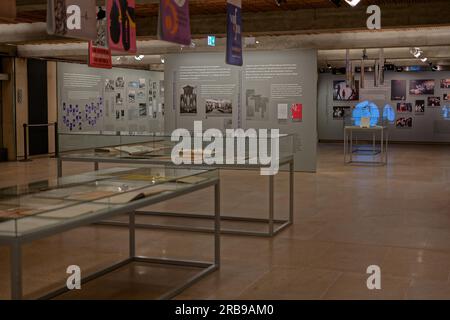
[(49, 203), (157, 147)]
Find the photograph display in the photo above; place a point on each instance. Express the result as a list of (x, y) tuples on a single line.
[(143, 112), (398, 90), (218, 107), (434, 101), (256, 105), (188, 99), (406, 122), (339, 113), (132, 96), (404, 107), (344, 92), (421, 87), (109, 85), (119, 99), (120, 83), (419, 107), (445, 83)]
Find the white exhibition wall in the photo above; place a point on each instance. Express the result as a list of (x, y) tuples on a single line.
[(426, 126), (259, 95), (91, 99)]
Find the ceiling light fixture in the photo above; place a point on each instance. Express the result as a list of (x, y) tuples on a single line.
[(139, 57)]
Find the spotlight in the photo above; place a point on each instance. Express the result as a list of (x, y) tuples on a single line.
[(353, 3), (435, 68), (337, 3), (280, 2), (163, 60), (424, 59), (329, 67), (139, 57)]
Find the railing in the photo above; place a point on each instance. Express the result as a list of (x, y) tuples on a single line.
[(26, 133)]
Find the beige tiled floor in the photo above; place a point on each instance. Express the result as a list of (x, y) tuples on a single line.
[(346, 218)]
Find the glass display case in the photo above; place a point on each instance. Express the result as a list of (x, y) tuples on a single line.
[(36, 206), (38, 210), (231, 149), (245, 151)]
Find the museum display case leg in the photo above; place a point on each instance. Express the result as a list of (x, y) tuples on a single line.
[(271, 205), (59, 163), (217, 202), (291, 192), (132, 228), (16, 270)]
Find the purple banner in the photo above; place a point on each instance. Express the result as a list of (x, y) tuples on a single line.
[(234, 33), (174, 23)]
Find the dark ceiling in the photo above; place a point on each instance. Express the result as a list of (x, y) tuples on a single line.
[(35, 10)]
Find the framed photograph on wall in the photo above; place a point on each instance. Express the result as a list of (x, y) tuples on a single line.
[(419, 107), (339, 113), (404, 107), (445, 83), (403, 123), (188, 99), (421, 87), (343, 92), (434, 101), (398, 90)]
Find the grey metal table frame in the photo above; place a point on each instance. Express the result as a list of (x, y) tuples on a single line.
[(383, 151), (271, 220), (15, 243)]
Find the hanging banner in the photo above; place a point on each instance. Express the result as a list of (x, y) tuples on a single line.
[(121, 25), (234, 32), (174, 22), (8, 9), (99, 51), (72, 19)]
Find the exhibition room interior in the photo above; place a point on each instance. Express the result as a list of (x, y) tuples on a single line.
[(225, 149)]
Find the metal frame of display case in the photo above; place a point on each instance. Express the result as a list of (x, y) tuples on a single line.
[(383, 151), (15, 243), (271, 220)]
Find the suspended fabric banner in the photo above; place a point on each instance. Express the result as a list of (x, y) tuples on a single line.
[(121, 25), (72, 19), (99, 51), (174, 22), (234, 33)]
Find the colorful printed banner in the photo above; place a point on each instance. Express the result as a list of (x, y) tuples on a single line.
[(72, 19), (8, 9), (174, 22), (99, 51), (234, 33), (122, 25)]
